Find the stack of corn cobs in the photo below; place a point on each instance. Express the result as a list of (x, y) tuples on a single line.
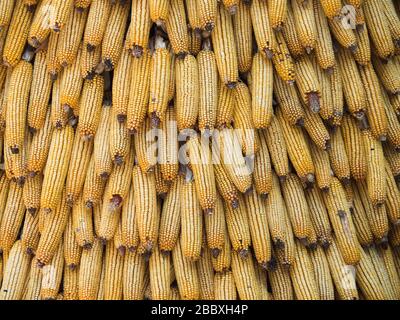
[(281, 183)]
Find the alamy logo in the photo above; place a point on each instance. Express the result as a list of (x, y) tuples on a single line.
[(348, 17)]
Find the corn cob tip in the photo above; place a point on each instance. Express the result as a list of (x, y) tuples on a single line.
[(137, 51), (353, 48), (20, 181), (115, 202), (121, 118), (383, 242), (132, 249), (104, 176), (72, 266), (325, 244), (215, 252), (313, 98), (40, 264), (118, 160), (235, 203), (309, 50), (30, 251), (244, 253), (282, 179), (32, 211), (121, 250), (155, 120), (269, 53), (300, 122)]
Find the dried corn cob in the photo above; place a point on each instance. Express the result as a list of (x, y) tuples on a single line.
[(17, 34), (56, 168), (70, 38), (137, 37), (224, 46), (262, 28)]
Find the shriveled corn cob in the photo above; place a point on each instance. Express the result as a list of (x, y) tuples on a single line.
[(102, 157), (56, 168), (93, 186), (162, 186), (137, 37), (159, 11), (82, 220), (224, 47), (130, 232), (133, 278)]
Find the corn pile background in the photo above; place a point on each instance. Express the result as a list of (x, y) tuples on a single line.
[(85, 213)]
